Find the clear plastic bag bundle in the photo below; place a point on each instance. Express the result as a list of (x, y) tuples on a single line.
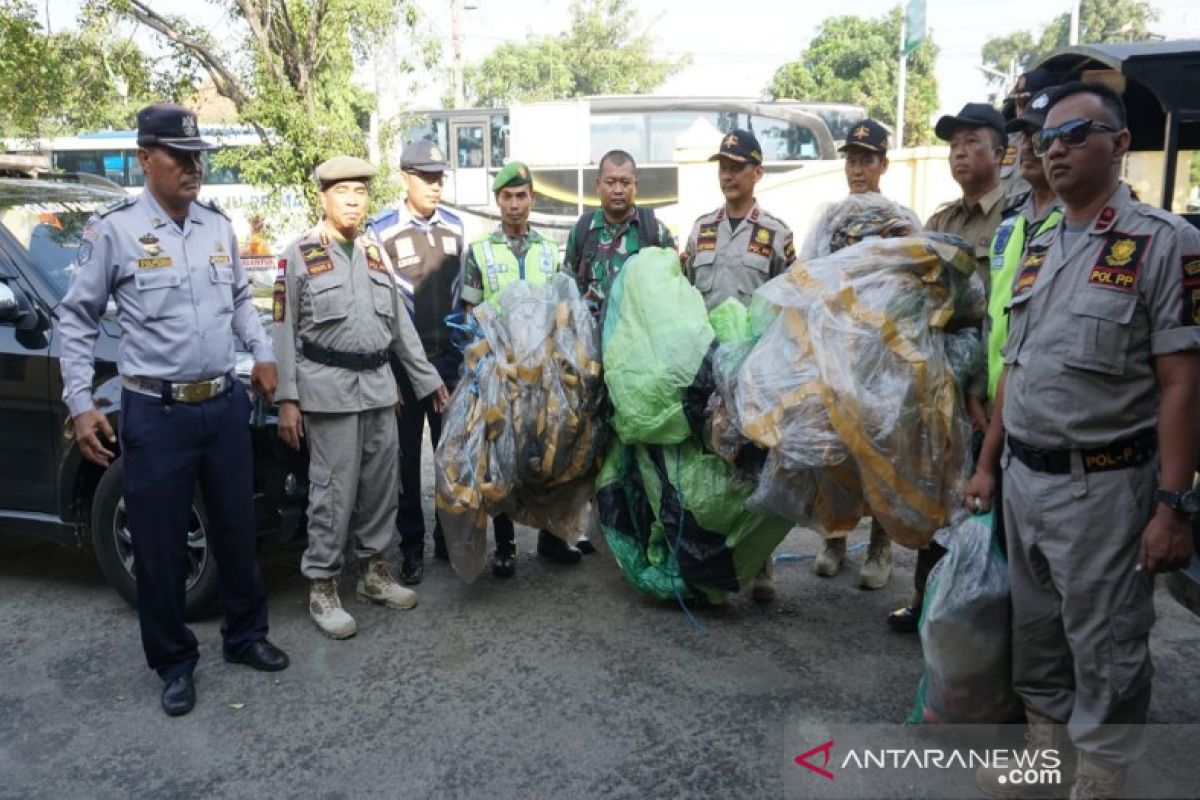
[(851, 390), (854, 219), (966, 632), (524, 431)]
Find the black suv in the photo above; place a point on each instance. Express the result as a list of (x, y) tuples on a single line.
[(47, 488)]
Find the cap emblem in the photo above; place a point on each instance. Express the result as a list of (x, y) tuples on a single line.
[(730, 141), (189, 125), (1039, 102), (861, 132), (435, 154)]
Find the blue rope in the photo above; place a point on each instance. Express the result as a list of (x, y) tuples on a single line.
[(779, 558)]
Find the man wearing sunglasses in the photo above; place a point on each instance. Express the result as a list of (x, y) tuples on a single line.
[(1097, 424), (1027, 87), (423, 241)]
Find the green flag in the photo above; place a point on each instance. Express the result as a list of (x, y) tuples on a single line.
[(914, 25)]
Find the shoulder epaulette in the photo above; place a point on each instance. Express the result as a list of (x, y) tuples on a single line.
[(774, 219), (1014, 204), (116, 205), (211, 205), (449, 215), (383, 219)]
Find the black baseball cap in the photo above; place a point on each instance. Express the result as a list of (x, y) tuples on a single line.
[(739, 145), (1033, 82), (973, 115), (422, 155), (170, 125), (1034, 117), (867, 135)]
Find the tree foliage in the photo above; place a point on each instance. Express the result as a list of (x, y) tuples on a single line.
[(64, 82), (601, 53), (1099, 21), (287, 66), (856, 60)]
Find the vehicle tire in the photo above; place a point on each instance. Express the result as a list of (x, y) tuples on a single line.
[(114, 547)]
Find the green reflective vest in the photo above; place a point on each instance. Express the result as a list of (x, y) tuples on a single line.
[(1007, 247), (500, 266)]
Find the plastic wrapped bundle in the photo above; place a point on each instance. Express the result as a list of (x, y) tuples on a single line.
[(675, 518), (854, 219), (673, 515), (524, 431), (656, 339), (850, 383), (966, 633)]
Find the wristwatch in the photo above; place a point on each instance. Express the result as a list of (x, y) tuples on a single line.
[(1187, 503)]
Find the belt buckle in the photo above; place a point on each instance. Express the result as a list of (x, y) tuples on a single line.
[(198, 392)]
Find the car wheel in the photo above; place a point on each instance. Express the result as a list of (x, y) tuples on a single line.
[(114, 547)]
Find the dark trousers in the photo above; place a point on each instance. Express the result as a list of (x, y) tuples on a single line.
[(166, 448), (410, 515), (502, 529)]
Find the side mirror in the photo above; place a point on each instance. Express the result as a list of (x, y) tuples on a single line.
[(16, 309)]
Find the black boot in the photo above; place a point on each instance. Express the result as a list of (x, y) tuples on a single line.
[(551, 547)]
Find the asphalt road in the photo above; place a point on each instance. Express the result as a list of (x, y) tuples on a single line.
[(560, 683)]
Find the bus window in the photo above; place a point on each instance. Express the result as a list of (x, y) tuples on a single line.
[(665, 128), (782, 140), (79, 161), (136, 176), (618, 132), (469, 139), (219, 176), (499, 140)]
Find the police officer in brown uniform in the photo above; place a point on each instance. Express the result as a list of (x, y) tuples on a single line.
[(977, 145), (737, 248), (1100, 381), (338, 316)]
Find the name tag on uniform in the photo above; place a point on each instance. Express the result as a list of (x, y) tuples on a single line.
[(450, 245), (218, 260), (404, 248), (154, 263)]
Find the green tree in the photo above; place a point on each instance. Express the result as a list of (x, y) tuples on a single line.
[(855, 60), (68, 81), (287, 67), (601, 53), (1099, 21)]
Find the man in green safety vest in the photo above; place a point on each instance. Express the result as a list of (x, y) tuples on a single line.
[(1040, 210), (513, 252)]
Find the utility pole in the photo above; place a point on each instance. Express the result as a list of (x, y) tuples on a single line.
[(1074, 40), (901, 87), (456, 35)]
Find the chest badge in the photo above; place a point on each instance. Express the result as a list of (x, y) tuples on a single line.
[(150, 244)]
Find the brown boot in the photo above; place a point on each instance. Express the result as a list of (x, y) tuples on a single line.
[(877, 568), (1042, 735), (1096, 779), (376, 585), (829, 561)]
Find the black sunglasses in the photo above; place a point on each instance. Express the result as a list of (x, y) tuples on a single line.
[(429, 177), (1072, 133)]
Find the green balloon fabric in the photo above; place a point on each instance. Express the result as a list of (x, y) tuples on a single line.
[(656, 336)]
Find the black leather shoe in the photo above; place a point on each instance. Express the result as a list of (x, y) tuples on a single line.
[(179, 696), (504, 564), (586, 547), (262, 656), (551, 547), (412, 571), (904, 620)]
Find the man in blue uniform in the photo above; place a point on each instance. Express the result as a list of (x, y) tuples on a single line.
[(171, 263), (423, 241)]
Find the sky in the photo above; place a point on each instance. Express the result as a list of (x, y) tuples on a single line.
[(737, 56)]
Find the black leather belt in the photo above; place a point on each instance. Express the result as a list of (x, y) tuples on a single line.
[(1124, 454), (357, 362)]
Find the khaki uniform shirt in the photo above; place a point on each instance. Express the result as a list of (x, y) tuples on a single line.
[(1086, 322), (350, 305), (722, 262), (976, 223)]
